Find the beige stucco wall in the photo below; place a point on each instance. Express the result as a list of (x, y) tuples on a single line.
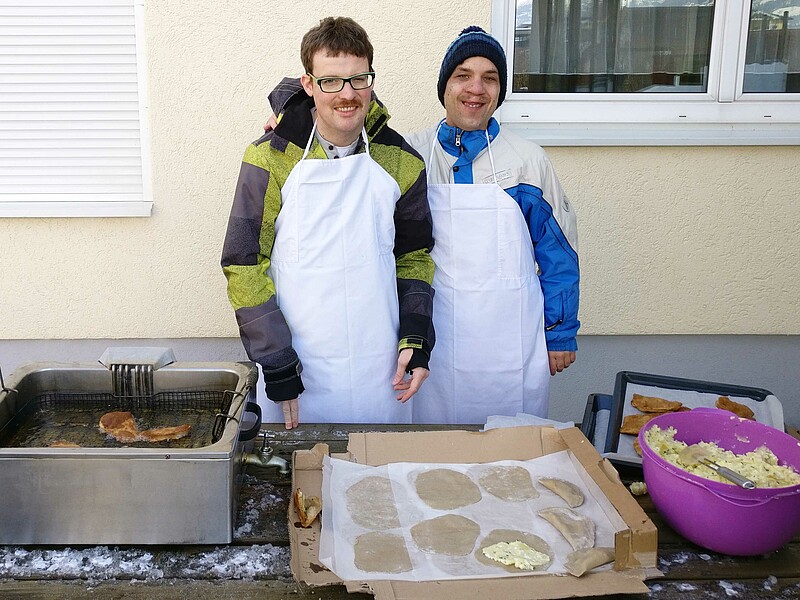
[(673, 240)]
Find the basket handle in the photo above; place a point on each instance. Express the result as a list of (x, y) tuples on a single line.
[(250, 434)]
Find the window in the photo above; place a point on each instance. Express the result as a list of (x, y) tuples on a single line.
[(653, 71), (73, 140)]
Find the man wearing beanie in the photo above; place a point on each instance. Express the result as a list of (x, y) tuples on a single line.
[(507, 277)]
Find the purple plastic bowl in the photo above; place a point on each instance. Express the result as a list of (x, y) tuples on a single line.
[(720, 516)]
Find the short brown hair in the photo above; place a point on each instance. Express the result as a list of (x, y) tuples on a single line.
[(337, 35)]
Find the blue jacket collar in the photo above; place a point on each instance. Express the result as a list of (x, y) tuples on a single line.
[(466, 145)]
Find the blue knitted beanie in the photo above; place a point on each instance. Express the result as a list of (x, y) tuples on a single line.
[(473, 41)]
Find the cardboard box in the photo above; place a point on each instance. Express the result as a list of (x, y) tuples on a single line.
[(636, 546)]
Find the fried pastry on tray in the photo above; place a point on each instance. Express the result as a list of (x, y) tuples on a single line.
[(736, 408), (653, 404), (633, 423), (308, 507)]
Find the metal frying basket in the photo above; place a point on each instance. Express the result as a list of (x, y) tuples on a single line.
[(105, 492), (55, 416)]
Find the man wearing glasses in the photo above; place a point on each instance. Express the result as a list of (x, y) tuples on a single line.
[(327, 252)]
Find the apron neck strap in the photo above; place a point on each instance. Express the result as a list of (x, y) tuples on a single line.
[(310, 140), (434, 141), (491, 157), (314, 130), (366, 140)]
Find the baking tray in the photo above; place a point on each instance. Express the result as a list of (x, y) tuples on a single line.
[(604, 414), (600, 414)]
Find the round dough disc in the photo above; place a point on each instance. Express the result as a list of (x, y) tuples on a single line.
[(510, 535), (452, 535), (508, 483), (445, 489), (371, 503), (381, 552)]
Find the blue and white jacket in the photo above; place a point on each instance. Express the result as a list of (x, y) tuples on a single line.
[(527, 175)]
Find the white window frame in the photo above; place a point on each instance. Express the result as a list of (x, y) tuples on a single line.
[(722, 116), (100, 199)]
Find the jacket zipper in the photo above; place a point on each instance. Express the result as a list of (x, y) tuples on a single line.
[(554, 325)]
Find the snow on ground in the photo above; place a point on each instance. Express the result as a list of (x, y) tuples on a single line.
[(103, 563), (259, 498)]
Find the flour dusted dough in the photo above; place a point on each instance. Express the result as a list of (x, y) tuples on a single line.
[(371, 503), (381, 552), (512, 535), (452, 535), (586, 559), (508, 483), (576, 529), (569, 492), (445, 489)]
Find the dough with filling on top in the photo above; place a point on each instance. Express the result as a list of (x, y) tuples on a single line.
[(516, 554), (512, 535)]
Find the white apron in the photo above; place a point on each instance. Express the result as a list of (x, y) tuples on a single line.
[(490, 356), (335, 279)]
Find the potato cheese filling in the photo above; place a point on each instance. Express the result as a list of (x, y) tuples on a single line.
[(759, 465), (517, 554)]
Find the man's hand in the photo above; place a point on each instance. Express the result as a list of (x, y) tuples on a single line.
[(271, 123), (409, 387), (560, 361), (290, 413)]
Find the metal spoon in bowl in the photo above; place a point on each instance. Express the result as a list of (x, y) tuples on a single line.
[(694, 455)]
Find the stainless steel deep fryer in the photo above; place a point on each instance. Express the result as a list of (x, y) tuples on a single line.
[(105, 492)]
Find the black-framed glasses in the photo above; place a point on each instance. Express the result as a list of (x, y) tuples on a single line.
[(331, 85)]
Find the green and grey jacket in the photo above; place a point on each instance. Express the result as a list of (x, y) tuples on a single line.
[(266, 165)]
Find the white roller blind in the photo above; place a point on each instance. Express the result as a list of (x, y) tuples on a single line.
[(72, 135)]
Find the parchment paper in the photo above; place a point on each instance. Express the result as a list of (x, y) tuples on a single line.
[(769, 411), (339, 532)]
